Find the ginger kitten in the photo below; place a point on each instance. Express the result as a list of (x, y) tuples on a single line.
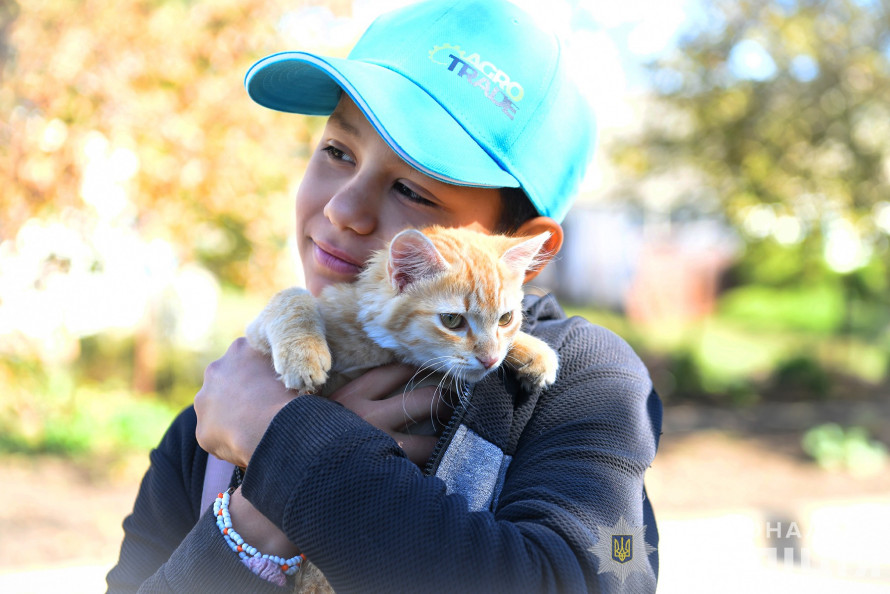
[(447, 300)]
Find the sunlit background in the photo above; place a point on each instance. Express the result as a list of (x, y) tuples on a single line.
[(735, 228)]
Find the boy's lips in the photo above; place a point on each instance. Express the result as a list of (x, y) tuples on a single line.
[(334, 259)]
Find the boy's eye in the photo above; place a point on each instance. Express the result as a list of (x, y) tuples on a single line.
[(452, 321), (506, 319), (338, 154), (412, 195)]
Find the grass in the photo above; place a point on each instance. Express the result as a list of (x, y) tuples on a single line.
[(88, 421), (725, 358), (88, 409)]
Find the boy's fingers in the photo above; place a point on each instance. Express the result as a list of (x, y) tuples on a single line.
[(417, 406), (418, 448), (375, 384), (380, 398)]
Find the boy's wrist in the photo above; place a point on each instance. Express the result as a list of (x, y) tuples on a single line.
[(251, 432), (258, 530)]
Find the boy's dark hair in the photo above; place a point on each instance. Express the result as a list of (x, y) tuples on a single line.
[(516, 208)]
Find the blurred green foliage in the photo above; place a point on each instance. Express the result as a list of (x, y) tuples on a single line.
[(90, 409), (736, 358), (836, 448), (776, 112), (818, 309), (773, 117), (51, 411), (780, 103)]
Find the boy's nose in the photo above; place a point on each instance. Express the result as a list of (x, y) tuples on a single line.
[(353, 207)]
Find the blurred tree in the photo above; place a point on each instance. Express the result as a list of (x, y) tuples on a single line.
[(8, 11), (151, 89), (126, 123), (776, 113)]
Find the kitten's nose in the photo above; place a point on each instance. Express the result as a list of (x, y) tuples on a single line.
[(487, 361)]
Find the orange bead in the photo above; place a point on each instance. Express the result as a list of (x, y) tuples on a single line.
[(285, 567), (220, 495), (226, 531), (240, 548)]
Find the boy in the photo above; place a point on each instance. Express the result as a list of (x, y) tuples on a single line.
[(450, 113)]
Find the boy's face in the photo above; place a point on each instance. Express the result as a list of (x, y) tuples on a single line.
[(357, 194)]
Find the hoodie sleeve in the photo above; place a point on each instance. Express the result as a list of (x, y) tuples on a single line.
[(168, 545)]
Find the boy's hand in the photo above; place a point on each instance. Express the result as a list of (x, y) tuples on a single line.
[(368, 396), (240, 396)]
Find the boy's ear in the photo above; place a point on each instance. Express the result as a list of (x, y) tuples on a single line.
[(552, 245)]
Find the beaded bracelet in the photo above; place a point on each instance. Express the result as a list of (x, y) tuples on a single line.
[(249, 555)]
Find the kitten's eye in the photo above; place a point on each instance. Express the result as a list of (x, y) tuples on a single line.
[(452, 321), (506, 319)]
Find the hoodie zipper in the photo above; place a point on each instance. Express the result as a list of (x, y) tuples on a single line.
[(534, 311), (453, 423)]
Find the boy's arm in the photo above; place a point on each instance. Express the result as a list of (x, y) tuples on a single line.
[(371, 521), (583, 455), (164, 511), (166, 547)]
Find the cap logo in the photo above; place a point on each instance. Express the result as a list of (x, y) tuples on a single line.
[(494, 83)]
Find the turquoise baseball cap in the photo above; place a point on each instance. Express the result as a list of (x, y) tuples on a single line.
[(469, 92)]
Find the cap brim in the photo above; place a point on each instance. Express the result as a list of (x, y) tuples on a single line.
[(412, 123)]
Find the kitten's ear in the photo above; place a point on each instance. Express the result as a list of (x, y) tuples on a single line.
[(412, 256), (523, 257)]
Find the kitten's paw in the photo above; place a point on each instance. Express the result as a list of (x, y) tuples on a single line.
[(256, 336), (303, 366), (539, 372)]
